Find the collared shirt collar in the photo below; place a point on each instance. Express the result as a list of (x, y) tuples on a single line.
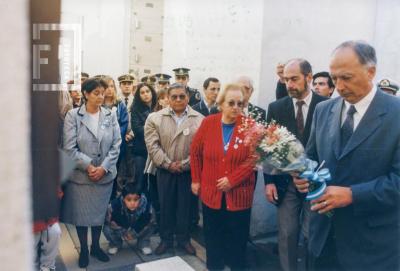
[(181, 118), (362, 105), (208, 107), (174, 114), (307, 100)]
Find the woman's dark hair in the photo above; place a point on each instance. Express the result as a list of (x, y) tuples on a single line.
[(130, 189), (137, 101), (91, 84)]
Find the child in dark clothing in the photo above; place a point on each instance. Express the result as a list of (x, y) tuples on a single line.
[(128, 218)]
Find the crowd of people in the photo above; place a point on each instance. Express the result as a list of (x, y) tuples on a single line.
[(149, 156)]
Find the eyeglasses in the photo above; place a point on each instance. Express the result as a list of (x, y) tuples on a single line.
[(176, 97), (233, 103)]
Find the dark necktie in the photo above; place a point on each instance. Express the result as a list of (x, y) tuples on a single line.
[(126, 102), (300, 118), (348, 126)]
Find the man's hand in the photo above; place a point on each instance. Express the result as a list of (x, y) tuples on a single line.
[(271, 193), (91, 171), (179, 166), (223, 184), (301, 184), (175, 167), (128, 236), (279, 72), (196, 188), (333, 197)]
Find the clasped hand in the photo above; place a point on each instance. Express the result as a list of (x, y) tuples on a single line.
[(223, 184), (175, 167), (95, 173)]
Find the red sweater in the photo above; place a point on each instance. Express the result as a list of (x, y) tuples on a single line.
[(209, 163)]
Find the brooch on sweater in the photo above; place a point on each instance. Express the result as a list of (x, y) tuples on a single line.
[(106, 123), (237, 141)]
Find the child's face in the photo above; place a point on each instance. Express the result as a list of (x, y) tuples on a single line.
[(132, 201)]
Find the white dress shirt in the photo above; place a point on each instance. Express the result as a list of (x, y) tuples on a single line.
[(305, 107), (361, 107)]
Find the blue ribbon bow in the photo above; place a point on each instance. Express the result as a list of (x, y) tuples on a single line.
[(317, 178)]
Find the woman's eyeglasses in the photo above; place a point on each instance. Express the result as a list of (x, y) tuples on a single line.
[(233, 103)]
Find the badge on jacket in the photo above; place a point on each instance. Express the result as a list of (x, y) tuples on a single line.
[(186, 132)]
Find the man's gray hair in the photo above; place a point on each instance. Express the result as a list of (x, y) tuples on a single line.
[(365, 53), (247, 79), (177, 86)]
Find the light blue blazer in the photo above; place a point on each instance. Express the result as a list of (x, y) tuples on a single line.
[(367, 231), (85, 148)]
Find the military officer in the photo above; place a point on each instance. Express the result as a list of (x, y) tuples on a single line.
[(149, 79), (389, 86), (162, 81), (182, 77), (127, 89)]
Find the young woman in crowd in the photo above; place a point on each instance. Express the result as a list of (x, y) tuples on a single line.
[(116, 105), (143, 104)]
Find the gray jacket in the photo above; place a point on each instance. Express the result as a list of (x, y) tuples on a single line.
[(85, 148)]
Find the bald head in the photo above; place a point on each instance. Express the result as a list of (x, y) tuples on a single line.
[(353, 68), (304, 65), (365, 53), (297, 75), (247, 84)]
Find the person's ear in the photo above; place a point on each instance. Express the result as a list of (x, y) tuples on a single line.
[(309, 78), (371, 71)]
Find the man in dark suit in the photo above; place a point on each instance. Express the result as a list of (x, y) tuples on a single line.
[(211, 88), (294, 112), (358, 137)]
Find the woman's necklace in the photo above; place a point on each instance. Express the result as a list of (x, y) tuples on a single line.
[(227, 140)]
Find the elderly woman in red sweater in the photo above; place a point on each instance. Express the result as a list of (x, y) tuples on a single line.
[(222, 176)]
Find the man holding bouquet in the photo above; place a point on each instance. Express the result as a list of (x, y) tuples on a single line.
[(295, 113), (358, 137)]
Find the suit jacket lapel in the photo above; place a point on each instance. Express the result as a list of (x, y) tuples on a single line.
[(250, 108), (204, 108), (310, 113), (103, 122), (368, 124), (184, 125), (335, 124), (86, 119), (290, 117)]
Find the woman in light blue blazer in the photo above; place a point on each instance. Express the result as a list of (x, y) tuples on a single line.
[(92, 138)]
